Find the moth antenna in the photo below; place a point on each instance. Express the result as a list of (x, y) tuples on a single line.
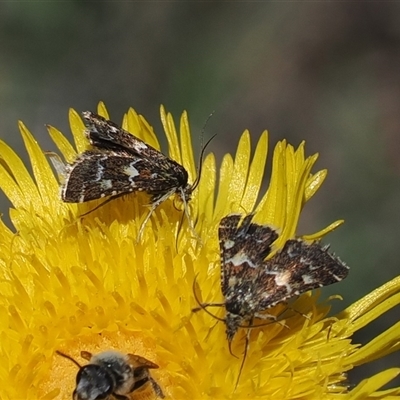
[(205, 125), (201, 159), (203, 306), (174, 204), (68, 358), (210, 331), (203, 129), (246, 348)]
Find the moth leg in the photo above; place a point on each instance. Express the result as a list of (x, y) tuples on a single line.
[(210, 331), (246, 348), (204, 305), (269, 317), (265, 316), (156, 202)]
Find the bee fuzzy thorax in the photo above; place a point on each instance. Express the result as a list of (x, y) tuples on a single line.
[(111, 374)]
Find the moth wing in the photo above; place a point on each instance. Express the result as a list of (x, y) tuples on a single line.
[(98, 174), (243, 247), (140, 362), (296, 269), (105, 134)]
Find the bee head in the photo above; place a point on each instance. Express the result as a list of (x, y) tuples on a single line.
[(93, 383)]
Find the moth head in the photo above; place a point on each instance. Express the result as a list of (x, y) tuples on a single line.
[(232, 322), (187, 192), (239, 300)]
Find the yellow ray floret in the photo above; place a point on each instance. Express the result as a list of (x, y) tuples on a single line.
[(72, 284)]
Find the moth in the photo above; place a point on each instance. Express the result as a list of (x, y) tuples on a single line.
[(251, 284), (119, 163), (112, 375)]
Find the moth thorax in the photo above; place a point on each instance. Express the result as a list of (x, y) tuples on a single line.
[(234, 306), (187, 192)]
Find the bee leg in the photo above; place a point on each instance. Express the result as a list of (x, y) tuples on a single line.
[(120, 397), (156, 388)]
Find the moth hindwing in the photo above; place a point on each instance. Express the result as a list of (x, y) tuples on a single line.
[(251, 285), (119, 163)]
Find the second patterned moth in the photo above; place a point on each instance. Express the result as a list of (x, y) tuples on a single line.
[(252, 284), (120, 163)]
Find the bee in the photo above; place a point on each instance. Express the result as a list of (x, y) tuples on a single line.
[(112, 375)]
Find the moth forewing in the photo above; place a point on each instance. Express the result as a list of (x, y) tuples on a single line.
[(103, 133), (298, 268)]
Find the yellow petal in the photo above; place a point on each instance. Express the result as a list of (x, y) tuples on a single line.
[(370, 301), (187, 148), (238, 176), (318, 235), (47, 184), (386, 343), (13, 183), (206, 190), (77, 128), (314, 182), (172, 136), (102, 110), (368, 386), (256, 173), (223, 204), (62, 144)]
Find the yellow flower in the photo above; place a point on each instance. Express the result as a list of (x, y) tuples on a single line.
[(73, 284)]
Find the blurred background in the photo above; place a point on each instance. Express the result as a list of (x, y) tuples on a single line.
[(327, 73)]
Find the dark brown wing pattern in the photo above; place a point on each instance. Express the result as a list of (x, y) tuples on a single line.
[(112, 173), (252, 284), (243, 247), (296, 269)]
